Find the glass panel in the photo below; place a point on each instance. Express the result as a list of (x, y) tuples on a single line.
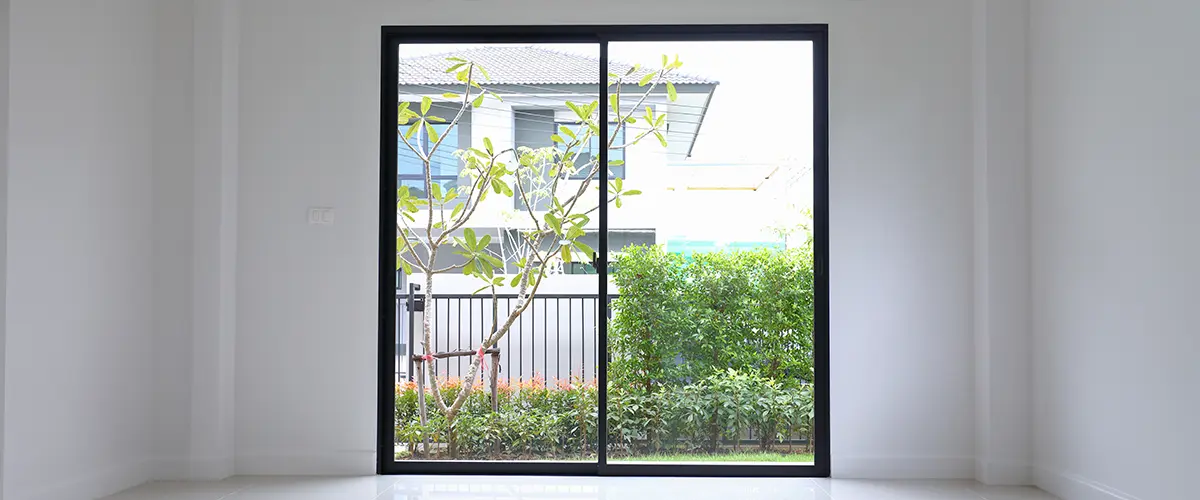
[(480, 120), (711, 331)]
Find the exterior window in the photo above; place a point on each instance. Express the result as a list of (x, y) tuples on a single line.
[(592, 149), (444, 166)]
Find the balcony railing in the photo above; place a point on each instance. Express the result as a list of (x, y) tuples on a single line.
[(554, 339)]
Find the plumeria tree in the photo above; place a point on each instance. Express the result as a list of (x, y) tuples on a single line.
[(554, 188)]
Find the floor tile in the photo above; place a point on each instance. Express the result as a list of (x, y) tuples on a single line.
[(1011, 493), (570, 488)]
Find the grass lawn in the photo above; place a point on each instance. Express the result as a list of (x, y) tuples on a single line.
[(726, 457)]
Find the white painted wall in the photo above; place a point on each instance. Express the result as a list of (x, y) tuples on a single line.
[(901, 184), (1003, 378), (78, 372), (4, 52), (195, 207), (1115, 116)]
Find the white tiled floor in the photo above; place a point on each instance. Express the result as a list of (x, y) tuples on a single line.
[(571, 488)]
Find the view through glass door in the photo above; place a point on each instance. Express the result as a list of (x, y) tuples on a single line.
[(602, 271)]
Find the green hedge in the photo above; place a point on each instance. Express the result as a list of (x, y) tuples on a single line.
[(536, 422), (680, 319), (704, 349)]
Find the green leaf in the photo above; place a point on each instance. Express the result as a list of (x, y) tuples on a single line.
[(481, 69), (664, 60), (405, 266), (435, 119), (616, 163), (402, 114), (661, 140), (566, 131), (580, 111), (436, 190), (470, 235), (558, 139), (553, 222), (566, 254), (631, 192), (516, 279), (456, 59), (454, 68), (614, 104), (584, 248), (451, 95), (647, 79), (457, 210), (487, 143), (450, 195), (619, 183), (484, 241), (412, 130), (426, 102), (630, 120), (478, 101), (433, 135), (671, 91), (617, 201)]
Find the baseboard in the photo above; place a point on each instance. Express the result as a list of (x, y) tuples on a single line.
[(994, 473), (193, 469), (306, 463), (902, 467), (92, 481), (1074, 487)]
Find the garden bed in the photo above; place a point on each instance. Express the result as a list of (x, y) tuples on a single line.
[(710, 421)]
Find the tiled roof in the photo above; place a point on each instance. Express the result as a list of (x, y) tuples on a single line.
[(522, 65)]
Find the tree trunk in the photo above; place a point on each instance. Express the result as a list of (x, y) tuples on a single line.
[(421, 407)]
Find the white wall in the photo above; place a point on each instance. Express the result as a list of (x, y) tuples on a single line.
[(195, 227), (78, 354), (4, 51), (1116, 114), (901, 184), (1003, 337)]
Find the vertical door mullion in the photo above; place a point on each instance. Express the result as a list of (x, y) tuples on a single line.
[(602, 266)]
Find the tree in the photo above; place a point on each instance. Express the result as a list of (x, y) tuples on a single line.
[(536, 175)]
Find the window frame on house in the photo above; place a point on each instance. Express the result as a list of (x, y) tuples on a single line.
[(614, 172), (444, 156)]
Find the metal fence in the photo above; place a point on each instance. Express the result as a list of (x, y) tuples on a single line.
[(554, 339)]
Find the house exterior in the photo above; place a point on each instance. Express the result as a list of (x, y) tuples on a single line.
[(686, 206)]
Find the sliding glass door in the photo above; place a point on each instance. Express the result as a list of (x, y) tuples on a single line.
[(602, 250)]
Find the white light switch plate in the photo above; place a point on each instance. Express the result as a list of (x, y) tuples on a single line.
[(320, 215)]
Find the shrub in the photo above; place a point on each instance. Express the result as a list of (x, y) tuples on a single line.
[(561, 422), (678, 320)]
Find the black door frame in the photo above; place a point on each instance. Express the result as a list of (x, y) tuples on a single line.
[(394, 36)]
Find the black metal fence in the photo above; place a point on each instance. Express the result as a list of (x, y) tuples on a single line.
[(554, 339)]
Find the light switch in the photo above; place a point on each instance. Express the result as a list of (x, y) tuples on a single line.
[(320, 215)]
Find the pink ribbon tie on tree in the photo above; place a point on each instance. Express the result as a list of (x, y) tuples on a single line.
[(482, 360), (428, 358)]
